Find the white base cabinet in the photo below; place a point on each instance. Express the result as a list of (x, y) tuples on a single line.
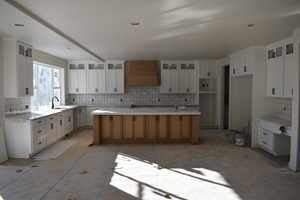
[(276, 144), (25, 138)]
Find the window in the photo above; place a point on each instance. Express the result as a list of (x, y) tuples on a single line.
[(46, 84)]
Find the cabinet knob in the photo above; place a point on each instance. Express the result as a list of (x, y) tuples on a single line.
[(170, 89), (27, 91), (96, 89), (245, 68), (188, 89), (77, 90), (208, 73), (115, 89)]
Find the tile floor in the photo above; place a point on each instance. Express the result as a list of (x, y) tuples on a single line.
[(214, 169)]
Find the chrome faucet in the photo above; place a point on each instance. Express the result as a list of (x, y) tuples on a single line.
[(57, 99)]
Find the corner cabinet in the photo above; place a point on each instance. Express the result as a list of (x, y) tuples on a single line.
[(115, 77), (282, 68), (18, 68), (77, 78)]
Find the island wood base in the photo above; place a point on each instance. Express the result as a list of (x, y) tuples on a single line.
[(146, 129)]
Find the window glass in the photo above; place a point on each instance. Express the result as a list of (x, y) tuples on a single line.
[(46, 81)]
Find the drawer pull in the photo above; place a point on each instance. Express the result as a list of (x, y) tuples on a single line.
[(39, 143), (40, 131), (264, 143)]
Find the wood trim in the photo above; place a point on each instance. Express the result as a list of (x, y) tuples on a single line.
[(97, 130), (111, 129), (195, 128)]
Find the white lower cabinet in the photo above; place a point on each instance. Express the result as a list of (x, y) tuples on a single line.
[(25, 138), (80, 117), (276, 144)]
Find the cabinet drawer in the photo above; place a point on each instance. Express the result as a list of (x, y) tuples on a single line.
[(40, 142), (38, 123), (266, 139)]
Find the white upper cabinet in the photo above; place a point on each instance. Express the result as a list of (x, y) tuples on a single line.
[(169, 77), (291, 64), (18, 68), (275, 69), (96, 78), (77, 78), (240, 63), (115, 77), (187, 77), (207, 69), (282, 68)]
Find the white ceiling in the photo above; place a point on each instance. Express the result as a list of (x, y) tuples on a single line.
[(170, 29)]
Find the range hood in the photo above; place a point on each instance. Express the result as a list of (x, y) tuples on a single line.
[(142, 73)]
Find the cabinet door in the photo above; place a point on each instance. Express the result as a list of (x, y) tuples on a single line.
[(175, 126), (211, 69), (72, 72), (128, 127), (163, 125), (164, 87), (139, 127), (92, 79), (186, 122), (101, 78), (28, 72), (151, 127), (203, 69), (291, 67), (81, 78), (116, 127), (275, 71), (21, 70), (110, 79), (119, 78), (187, 78), (173, 78)]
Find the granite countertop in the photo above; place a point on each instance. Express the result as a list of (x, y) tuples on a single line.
[(146, 111), (42, 113)]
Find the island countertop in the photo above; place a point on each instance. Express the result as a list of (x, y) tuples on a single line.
[(146, 111)]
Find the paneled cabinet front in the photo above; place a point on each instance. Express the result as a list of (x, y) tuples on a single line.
[(187, 78), (96, 78), (145, 128), (282, 68), (115, 77), (18, 68), (77, 78), (169, 77)]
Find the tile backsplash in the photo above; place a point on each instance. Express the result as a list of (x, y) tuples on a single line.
[(133, 95)]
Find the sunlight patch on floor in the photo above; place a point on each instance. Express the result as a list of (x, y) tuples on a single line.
[(144, 180)]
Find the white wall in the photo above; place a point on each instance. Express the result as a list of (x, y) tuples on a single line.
[(3, 155)]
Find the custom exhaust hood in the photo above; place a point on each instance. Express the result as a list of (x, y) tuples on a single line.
[(142, 73)]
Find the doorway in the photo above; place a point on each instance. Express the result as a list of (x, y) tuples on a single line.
[(226, 96)]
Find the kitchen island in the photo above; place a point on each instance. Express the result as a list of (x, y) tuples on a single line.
[(146, 125)]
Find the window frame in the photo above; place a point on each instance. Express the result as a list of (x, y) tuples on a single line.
[(61, 80)]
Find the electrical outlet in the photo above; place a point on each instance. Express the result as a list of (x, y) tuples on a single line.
[(26, 107)]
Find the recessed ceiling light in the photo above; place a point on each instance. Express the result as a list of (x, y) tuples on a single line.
[(19, 25), (135, 23), (251, 25)]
